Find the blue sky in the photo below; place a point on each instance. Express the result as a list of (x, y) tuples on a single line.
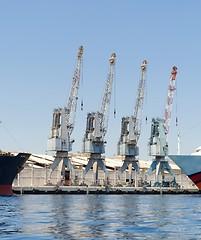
[(38, 47)]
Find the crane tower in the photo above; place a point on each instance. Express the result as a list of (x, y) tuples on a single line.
[(158, 144), (63, 121), (131, 129), (96, 127)]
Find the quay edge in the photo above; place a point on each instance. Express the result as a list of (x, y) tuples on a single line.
[(101, 190)]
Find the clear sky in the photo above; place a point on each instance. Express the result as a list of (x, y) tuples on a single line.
[(38, 48)]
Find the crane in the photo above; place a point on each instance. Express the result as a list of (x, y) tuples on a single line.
[(63, 121), (158, 144), (131, 129), (96, 127)]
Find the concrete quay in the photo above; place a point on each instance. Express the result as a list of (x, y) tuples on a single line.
[(101, 190)]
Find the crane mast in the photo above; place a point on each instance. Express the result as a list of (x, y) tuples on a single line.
[(63, 121), (158, 144), (96, 127), (131, 129)]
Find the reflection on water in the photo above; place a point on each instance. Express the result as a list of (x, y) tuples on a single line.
[(100, 217)]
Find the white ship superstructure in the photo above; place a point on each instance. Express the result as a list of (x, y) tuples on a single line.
[(190, 165)]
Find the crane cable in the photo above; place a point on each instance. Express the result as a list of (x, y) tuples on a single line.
[(146, 98), (176, 106), (1, 123), (82, 87), (178, 135), (114, 95)]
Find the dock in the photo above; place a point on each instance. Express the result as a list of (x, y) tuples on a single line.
[(102, 190), (34, 179)]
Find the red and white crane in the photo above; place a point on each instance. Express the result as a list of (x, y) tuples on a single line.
[(158, 144)]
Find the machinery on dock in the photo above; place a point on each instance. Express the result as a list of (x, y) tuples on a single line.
[(96, 128), (131, 129), (158, 144), (63, 121)]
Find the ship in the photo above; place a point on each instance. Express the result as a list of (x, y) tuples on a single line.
[(190, 165), (10, 165)]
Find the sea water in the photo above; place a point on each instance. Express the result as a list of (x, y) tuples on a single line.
[(100, 217)]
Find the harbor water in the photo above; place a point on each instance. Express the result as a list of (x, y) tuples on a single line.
[(100, 217)]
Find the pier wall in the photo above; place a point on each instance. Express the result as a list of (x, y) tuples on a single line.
[(34, 177)]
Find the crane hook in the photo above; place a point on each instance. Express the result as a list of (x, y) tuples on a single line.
[(82, 105)]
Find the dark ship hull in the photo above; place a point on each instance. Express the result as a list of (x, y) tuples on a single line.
[(10, 166)]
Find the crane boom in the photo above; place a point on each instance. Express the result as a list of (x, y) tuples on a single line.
[(72, 99), (169, 102), (107, 95), (139, 101)]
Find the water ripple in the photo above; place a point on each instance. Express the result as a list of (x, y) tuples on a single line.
[(100, 217)]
